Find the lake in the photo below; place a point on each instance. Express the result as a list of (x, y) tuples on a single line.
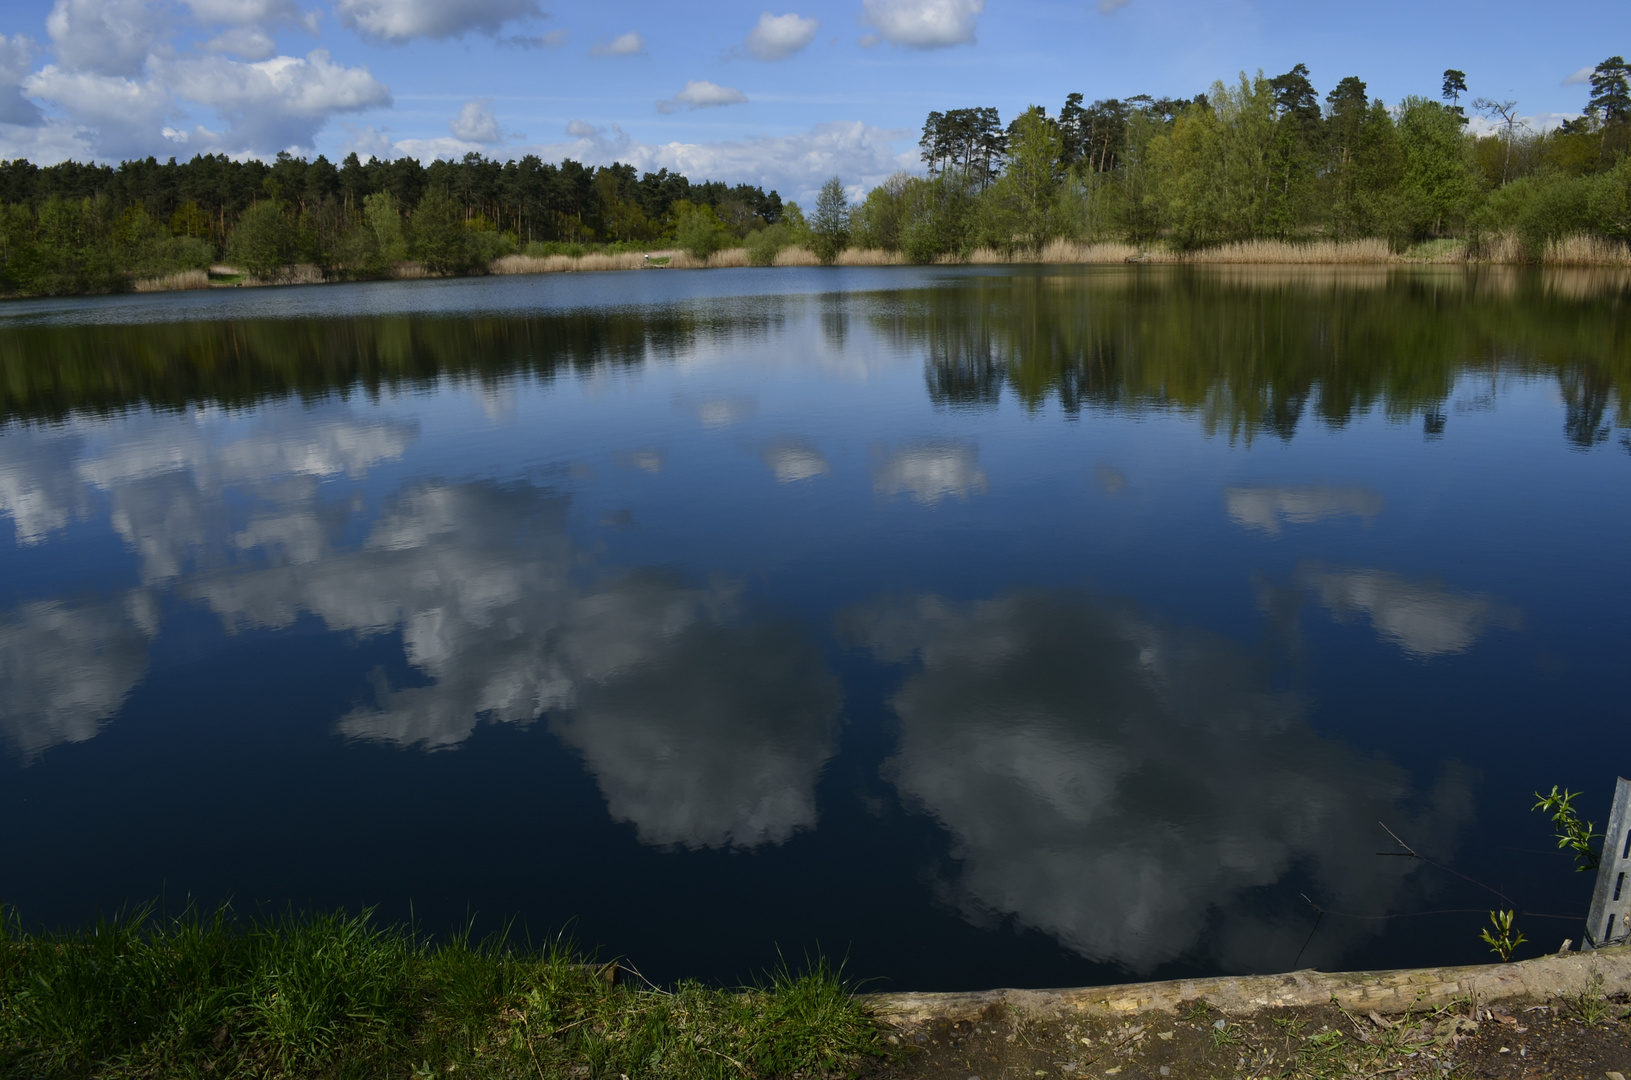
[(1016, 626)]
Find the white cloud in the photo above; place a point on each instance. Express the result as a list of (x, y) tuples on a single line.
[(108, 37), (16, 61), (627, 44), (1581, 77), (1421, 617), (702, 94), (1264, 508), (247, 42), (120, 117), (792, 462), (779, 36), (476, 122), (1134, 790), (262, 13), (402, 20), (796, 165), (924, 24), (276, 103), (930, 472)]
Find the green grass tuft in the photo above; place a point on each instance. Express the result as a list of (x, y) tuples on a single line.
[(337, 996)]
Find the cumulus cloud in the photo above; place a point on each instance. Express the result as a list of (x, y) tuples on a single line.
[(796, 165), (122, 115), (929, 472), (16, 60), (923, 24), (779, 36), (791, 462), (107, 37), (627, 44), (279, 102), (702, 94), (1265, 508), (248, 42), (1132, 789), (1422, 618), (403, 20), (476, 122), (1581, 77)]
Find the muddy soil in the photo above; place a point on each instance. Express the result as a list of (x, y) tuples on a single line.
[(1578, 1039)]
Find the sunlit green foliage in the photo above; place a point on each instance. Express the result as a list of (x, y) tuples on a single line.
[(1572, 833)]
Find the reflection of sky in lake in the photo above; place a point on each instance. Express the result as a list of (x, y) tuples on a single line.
[(777, 630)]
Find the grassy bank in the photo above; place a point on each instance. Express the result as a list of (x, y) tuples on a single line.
[(337, 996)]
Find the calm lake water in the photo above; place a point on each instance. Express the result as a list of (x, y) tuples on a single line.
[(985, 626)]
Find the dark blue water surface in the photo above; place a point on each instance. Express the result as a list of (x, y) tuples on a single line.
[(987, 627)]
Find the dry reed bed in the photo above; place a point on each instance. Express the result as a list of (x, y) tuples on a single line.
[(1577, 251), (186, 279)]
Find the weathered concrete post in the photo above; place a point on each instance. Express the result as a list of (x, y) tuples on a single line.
[(1609, 922)]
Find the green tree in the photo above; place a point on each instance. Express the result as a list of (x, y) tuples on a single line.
[(440, 241), (1455, 84), (385, 220), (829, 227), (1024, 200), (264, 241), (698, 230), (1437, 186), (1611, 100)]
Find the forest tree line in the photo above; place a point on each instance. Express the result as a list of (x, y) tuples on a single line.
[(1261, 159), (75, 227)]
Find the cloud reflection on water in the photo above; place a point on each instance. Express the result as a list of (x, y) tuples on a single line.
[(1264, 508), (703, 727), (1125, 787), (930, 471), (1421, 617), (791, 462)]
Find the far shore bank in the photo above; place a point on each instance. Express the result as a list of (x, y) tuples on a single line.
[(1581, 252)]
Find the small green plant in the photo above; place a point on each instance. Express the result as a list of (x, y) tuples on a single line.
[(1593, 1003), (1572, 834), (1501, 942)]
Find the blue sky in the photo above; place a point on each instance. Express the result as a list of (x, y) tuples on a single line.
[(783, 96)]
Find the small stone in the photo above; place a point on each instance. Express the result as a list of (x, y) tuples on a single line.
[(1164, 1035), (1165, 1071), (1616, 1076), (1220, 1024), (1504, 1050)]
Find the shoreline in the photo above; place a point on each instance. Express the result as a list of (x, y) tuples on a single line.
[(1387, 992), (1553, 1016), (1580, 252)]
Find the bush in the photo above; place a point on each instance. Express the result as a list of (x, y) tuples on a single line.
[(698, 230), (264, 241), (765, 244)]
